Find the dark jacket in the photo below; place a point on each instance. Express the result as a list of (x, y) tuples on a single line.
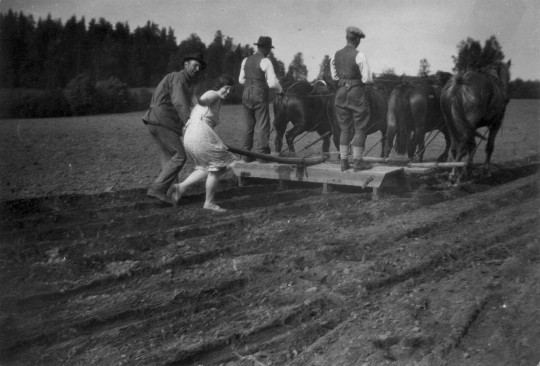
[(171, 103)]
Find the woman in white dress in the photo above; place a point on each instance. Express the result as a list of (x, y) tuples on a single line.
[(209, 153)]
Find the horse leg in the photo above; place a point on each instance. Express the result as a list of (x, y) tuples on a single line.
[(458, 150), (326, 147), (493, 130), (292, 134), (280, 125), (391, 131), (384, 149), (336, 131), (467, 148), (417, 144), (490, 145), (444, 156)]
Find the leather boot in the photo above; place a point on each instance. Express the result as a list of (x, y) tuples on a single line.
[(359, 164), (345, 165)]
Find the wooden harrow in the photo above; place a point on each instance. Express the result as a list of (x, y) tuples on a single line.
[(388, 173)]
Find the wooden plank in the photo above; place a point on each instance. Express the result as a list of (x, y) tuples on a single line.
[(322, 173), (394, 160), (434, 164), (414, 170)]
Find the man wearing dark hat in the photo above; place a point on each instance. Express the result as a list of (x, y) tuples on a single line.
[(351, 70), (258, 77), (169, 111)]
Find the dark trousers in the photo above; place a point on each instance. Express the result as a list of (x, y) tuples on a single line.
[(171, 155), (255, 119), (352, 114)]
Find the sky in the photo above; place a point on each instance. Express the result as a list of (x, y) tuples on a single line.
[(399, 33)]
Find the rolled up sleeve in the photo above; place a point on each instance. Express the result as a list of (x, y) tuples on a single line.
[(271, 79), (242, 77), (363, 65)]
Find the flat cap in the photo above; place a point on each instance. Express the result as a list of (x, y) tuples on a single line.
[(356, 31)]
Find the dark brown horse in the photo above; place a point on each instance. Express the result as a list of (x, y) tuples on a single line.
[(309, 108), (472, 100), (413, 111)]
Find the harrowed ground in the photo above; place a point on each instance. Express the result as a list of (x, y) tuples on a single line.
[(95, 273)]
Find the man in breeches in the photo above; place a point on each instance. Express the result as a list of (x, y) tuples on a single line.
[(351, 70), (169, 111)]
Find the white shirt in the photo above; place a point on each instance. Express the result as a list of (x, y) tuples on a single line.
[(363, 65), (268, 69)]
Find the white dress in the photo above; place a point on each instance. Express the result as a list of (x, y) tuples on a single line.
[(201, 142)]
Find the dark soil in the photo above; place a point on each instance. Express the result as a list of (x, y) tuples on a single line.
[(436, 275), (93, 272)]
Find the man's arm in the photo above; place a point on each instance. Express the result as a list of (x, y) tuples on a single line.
[(242, 77), (271, 79), (363, 65), (180, 98)]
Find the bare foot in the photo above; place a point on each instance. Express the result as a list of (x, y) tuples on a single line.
[(176, 194), (213, 207)]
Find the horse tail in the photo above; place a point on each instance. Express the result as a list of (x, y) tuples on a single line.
[(403, 116), (453, 99)]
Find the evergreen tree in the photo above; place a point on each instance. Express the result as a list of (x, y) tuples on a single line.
[(469, 54), (491, 53), (53, 59), (192, 44), (324, 70), (423, 71), (215, 57), (279, 67), (297, 70)]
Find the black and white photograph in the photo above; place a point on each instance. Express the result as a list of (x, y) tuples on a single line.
[(270, 183)]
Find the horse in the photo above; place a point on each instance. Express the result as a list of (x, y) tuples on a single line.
[(377, 98), (413, 111), (309, 107), (471, 100)]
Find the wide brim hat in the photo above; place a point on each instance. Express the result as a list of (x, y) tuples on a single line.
[(197, 57), (264, 42)]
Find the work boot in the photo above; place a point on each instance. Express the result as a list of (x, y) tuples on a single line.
[(360, 164), (345, 165), (159, 195)]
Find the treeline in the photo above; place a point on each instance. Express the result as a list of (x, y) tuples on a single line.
[(473, 56), (48, 54), (49, 68)]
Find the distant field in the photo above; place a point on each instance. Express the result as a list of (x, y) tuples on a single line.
[(114, 152)]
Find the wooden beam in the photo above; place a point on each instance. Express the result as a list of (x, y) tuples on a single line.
[(375, 177), (433, 164)]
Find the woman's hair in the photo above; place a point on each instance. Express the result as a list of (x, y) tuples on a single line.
[(223, 80)]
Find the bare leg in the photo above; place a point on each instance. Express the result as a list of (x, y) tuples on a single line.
[(212, 182), (179, 189)]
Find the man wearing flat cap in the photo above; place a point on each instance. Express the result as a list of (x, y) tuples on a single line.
[(258, 77), (351, 71), (168, 113)]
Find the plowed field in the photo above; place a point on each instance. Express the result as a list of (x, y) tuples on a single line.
[(95, 273)]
